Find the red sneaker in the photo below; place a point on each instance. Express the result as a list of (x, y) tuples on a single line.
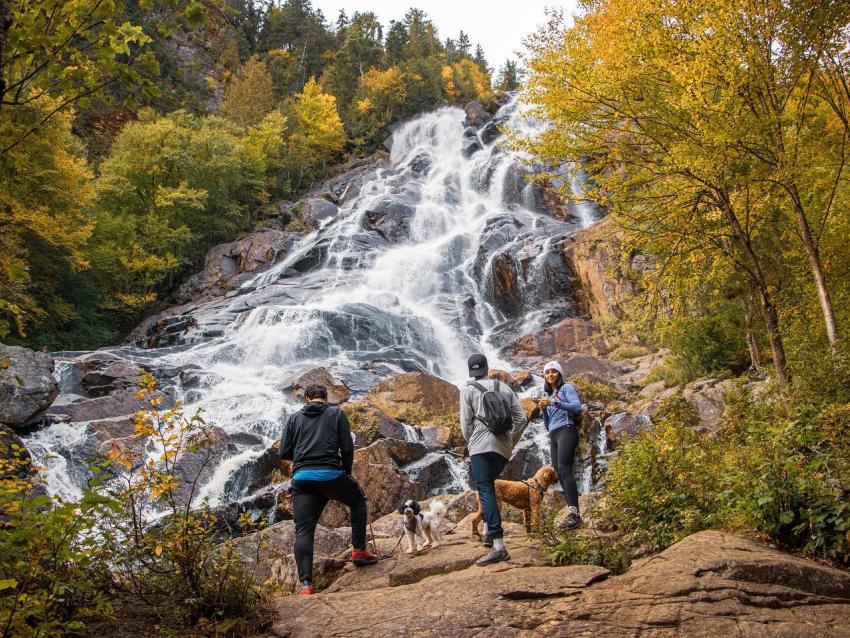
[(306, 590), (362, 557)]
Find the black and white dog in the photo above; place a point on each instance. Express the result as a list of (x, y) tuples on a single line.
[(425, 525)]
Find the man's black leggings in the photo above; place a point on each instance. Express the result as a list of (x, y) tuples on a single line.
[(308, 502), (562, 448)]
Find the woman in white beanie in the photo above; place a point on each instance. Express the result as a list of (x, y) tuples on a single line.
[(561, 409)]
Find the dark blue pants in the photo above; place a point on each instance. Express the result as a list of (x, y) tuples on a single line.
[(486, 468)]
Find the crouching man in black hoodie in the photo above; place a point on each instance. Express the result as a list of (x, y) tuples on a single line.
[(317, 440)]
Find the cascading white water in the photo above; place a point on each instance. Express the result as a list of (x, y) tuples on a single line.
[(402, 278)]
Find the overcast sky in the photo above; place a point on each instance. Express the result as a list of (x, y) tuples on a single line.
[(499, 30)]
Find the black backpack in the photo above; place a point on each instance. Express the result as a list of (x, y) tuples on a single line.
[(497, 411)]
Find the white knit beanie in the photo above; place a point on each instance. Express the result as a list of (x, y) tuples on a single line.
[(554, 365)]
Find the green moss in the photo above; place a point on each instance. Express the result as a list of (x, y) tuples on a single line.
[(592, 390)]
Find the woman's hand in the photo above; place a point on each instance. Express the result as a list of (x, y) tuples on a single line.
[(545, 402)]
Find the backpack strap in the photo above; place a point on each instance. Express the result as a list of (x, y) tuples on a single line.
[(480, 387)]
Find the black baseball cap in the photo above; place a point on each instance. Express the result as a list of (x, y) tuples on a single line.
[(477, 365)]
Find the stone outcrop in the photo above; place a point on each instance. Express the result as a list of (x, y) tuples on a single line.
[(369, 423), (709, 584), (228, 265), (606, 283), (103, 372), (563, 337), (476, 114), (27, 386), (418, 398), (315, 211), (295, 385)]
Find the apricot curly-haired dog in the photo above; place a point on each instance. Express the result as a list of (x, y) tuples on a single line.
[(526, 496)]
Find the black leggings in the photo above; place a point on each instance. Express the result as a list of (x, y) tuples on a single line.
[(562, 448), (308, 502)]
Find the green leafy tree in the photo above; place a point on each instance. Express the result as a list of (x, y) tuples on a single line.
[(44, 227), (70, 51), (509, 79), (171, 188), (316, 132), (250, 95)]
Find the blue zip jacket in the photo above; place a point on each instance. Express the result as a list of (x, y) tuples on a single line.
[(564, 410)]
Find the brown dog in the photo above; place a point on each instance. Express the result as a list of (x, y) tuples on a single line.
[(526, 496)]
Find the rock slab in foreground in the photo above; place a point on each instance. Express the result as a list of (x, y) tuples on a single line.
[(710, 584)]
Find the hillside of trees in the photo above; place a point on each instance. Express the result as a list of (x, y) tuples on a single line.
[(137, 135)]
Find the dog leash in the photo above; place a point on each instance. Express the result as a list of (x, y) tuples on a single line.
[(375, 544), (536, 487)]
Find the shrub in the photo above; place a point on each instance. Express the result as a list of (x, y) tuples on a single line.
[(53, 573), (789, 474), (666, 483), (591, 390), (599, 550), (166, 552)]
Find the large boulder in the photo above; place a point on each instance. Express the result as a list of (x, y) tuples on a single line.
[(193, 469), (369, 423), (624, 423), (121, 402), (385, 488), (563, 337), (391, 451), (316, 211), (419, 398), (295, 385), (228, 265), (391, 219), (707, 398), (269, 549), (476, 114), (27, 386), (103, 372)]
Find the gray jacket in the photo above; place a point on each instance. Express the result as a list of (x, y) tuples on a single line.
[(478, 438)]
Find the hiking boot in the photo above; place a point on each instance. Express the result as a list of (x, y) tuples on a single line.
[(361, 557), (573, 520), (306, 590), (487, 542), (494, 556)]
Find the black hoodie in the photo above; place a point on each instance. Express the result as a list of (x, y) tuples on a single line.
[(318, 437)]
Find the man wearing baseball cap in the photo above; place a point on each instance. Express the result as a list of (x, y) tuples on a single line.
[(488, 452)]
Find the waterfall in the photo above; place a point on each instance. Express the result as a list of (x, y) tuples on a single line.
[(403, 278)]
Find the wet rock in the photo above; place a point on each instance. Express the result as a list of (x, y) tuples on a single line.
[(120, 403), (506, 293), (471, 143), (418, 398), (163, 331), (385, 487), (228, 265), (514, 186), (345, 185), (391, 219), (434, 472), (391, 452), (27, 386), (103, 372), (316, 211), (438, 437), (117, 432), (294, 386), (524, 378), (194, 469), (489, 133), (476, 114)]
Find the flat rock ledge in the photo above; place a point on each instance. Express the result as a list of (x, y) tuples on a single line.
[(709, 584)]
